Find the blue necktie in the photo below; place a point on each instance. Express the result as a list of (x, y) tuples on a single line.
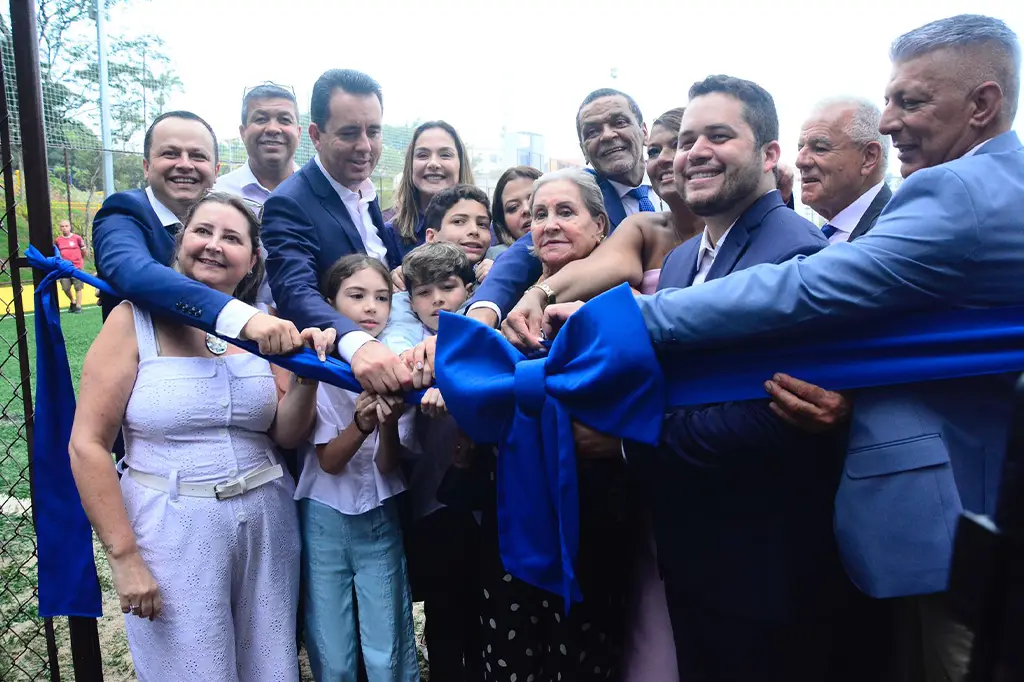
[(640, 194), (829, 230)]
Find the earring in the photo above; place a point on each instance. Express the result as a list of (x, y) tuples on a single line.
[(250, 272)]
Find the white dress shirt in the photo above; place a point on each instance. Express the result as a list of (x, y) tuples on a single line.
[(242, 182), (233, 316), (706, 254), (358, 205), (630, 204), (846, 220)]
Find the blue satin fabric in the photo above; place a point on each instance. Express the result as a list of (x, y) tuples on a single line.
[(68, 585), (602, 371)]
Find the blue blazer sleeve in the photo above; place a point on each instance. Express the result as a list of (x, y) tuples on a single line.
[(293, 245), (128, 257), (510, 276), (925, 243), (729, 433)]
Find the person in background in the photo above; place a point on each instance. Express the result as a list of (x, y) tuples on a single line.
[(612, 135), (201, 534), (354, 566), (459, 215), (270, 131), (510, 208), (71, 247), (434, 160)]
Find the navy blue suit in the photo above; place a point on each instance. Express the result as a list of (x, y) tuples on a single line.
[(742, 501), (306, 229), (397, 246), (518, 269), (133, 250)]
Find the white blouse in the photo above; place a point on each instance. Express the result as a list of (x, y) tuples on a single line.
[(360, 486)]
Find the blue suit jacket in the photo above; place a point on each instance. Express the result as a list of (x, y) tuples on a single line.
[(920, 453), (742, 499), (518, 269), (397, 246), (306, 229), (133, 251)]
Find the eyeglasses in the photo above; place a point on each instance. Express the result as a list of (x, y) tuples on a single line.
[(272, 84)]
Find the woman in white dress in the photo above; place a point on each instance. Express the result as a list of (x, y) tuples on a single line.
[(201, 532)]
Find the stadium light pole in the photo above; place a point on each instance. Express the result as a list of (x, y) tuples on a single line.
[(101, 51)]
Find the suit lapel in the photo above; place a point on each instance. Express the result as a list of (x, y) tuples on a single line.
[(736, 241), (612, 200), (867, 221), (332, 203)]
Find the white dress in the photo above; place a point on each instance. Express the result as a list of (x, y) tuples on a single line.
[(228, 570)]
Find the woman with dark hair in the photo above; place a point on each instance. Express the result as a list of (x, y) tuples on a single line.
[(510, 207), (434, 160), (201, 532)]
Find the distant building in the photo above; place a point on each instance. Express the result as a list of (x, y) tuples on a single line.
[(559, 164), (525, 149)]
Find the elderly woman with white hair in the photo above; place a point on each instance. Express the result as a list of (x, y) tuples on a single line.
[(526, 634)]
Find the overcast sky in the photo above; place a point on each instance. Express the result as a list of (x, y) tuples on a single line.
[(526, 64)]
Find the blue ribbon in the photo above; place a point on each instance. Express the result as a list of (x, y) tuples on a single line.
[(68, 585), (603, 371)]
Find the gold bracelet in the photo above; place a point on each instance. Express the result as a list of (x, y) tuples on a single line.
[(302, 381)]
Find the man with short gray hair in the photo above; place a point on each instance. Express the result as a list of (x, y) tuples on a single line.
[(842, 162)]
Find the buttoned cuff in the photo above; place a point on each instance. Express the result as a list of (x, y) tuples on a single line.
[(489, 306), (351, 342), (233, 317)]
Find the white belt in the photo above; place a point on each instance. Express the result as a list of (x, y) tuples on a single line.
[(222, 491)]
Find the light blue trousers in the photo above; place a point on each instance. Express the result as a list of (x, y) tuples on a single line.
[(361, 554)]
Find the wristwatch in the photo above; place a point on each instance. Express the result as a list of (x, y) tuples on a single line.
[(549, 293)]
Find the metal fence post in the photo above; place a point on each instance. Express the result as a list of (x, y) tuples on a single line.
[(85, 645)]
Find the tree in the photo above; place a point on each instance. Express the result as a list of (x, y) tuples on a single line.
[(139, 77)]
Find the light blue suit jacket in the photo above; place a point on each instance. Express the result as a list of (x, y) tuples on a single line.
[(953, 235)]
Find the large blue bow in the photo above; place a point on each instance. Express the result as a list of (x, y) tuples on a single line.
[(67, 573), (601, 371)]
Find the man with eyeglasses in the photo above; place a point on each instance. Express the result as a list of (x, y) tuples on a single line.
[(270, 131)]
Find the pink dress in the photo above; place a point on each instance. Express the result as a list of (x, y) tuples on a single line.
[(650, 650)]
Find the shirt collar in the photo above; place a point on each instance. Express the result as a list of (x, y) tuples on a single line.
[(166, 215), (248, 178), (367, 192), (705, 243), (623, 190), (974, 150), (847, 219)]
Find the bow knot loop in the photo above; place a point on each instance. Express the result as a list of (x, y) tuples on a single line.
[(597, 373), (530, 387)]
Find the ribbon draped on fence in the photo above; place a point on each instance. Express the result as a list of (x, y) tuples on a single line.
[(601, 370)]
